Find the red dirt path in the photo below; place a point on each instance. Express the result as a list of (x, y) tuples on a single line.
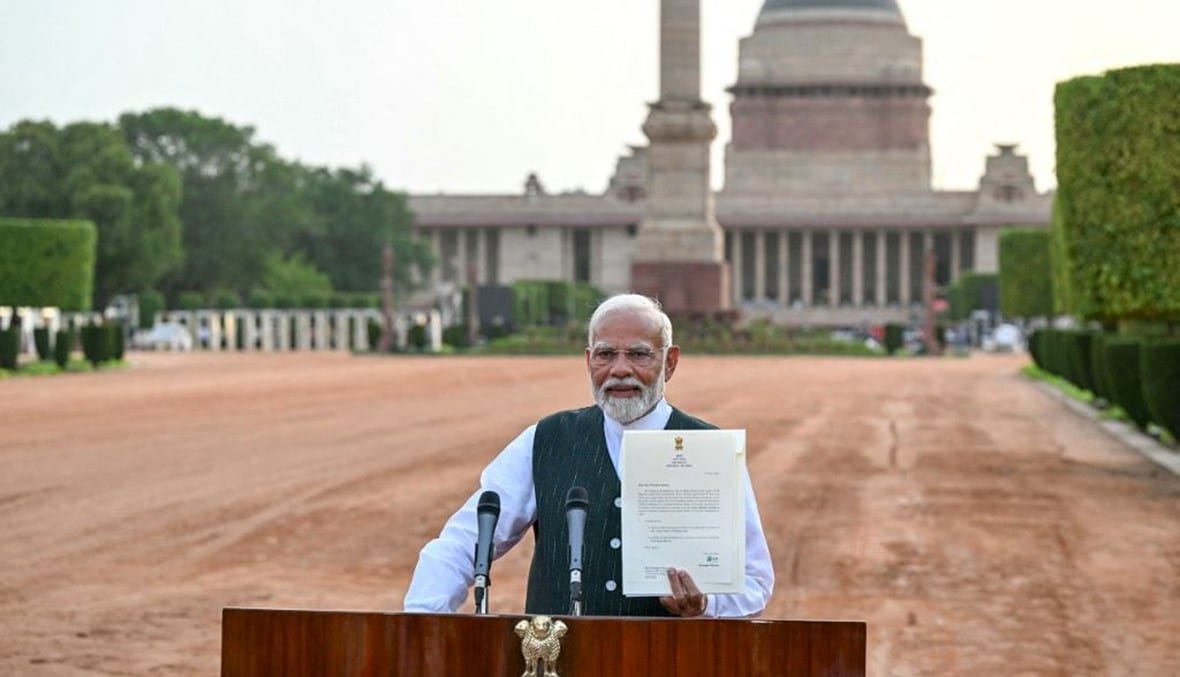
[(979, 527)]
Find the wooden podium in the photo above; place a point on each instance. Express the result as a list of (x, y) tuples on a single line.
[(266, 642)]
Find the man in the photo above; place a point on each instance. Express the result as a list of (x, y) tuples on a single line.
[(629, 357)]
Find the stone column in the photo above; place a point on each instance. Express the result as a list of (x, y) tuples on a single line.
[(434, 331), (283, 319), (881, 269), (806, 277), (784, 275), (858, 268), (903, 268), (266, 320), (340, 338), (735, 258), (320, 335), (303, 330), (481, 256), (678, 251), (956, 255)]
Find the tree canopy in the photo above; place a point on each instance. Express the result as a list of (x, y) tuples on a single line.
[(185, 202)]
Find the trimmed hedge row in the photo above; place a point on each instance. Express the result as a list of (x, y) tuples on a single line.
[(1026, 281), (1118, 165), (261, 298), (1141, 375), (47, 263)]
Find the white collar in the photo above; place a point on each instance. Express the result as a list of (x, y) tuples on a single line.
[(655, 419)]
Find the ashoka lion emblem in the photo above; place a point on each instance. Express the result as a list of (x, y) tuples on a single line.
[(540, 642)]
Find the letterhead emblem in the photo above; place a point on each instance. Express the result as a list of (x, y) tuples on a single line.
[(679, 443)]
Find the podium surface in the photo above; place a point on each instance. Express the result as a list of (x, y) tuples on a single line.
[(256, 642)]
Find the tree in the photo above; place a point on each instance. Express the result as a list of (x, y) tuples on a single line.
[(1026, 280), (85, 171)]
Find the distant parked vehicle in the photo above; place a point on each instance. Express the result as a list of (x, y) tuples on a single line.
[(164, 336), (1006, 338)]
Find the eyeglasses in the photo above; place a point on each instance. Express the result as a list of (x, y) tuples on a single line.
[(643, 358)]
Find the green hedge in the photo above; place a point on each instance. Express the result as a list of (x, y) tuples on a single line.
[(1026, 280), (1159, 372), (1098, 366), (63, 345), (1118, 168), (972, 291), (1078, 348), (1122, 374), (1036, 347), (894, 337), (150, 303), (41, 341), (46, 262), (9, 347)]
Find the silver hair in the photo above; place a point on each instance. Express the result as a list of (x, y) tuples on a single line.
[(633, 303)]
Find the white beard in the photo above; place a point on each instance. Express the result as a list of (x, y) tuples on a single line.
[(629, 409)]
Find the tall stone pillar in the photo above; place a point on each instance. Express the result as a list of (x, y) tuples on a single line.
[(678, 252)]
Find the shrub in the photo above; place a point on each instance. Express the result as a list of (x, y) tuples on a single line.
[(46, 262), (260, 298), (1098, 366), (9, 345), (1122, 373), (63, 345), (1079, 356), (190, 300), (151, 302), (456, 336), (416, 337), (225, 300), (1159, 372), (116, 340), (1026, 281), (373, 329), (1036, 348), (894, 337), (41, 340), (315, 299)]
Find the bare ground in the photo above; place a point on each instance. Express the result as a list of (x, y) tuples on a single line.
[(978, 526)]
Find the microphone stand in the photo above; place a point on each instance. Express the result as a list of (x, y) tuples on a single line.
[(481, 594), (575, 593)]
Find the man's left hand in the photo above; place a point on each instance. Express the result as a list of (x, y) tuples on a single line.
[(686, 600)]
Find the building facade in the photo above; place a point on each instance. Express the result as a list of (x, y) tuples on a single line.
[(827, 209)]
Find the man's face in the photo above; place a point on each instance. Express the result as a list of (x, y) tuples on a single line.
[(628, 366)]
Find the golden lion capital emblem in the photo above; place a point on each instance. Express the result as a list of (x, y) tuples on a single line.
[(540, 642)]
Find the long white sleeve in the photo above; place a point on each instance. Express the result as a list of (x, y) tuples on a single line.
[(446, 564)]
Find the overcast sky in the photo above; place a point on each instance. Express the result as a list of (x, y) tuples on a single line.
[(442, 95)]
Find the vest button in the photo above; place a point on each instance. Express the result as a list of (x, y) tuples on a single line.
[(616, 543), (611, 586), (618, 501)]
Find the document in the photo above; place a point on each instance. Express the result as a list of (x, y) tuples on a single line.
[(684, 506)]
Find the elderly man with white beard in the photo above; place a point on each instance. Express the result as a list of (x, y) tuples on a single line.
[(629, 356)]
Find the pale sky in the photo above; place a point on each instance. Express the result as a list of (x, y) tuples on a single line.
[(442, 95)]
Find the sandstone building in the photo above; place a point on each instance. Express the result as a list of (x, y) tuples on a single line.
[(827, 208)]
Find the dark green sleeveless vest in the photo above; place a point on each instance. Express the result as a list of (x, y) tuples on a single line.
[(569, 450)]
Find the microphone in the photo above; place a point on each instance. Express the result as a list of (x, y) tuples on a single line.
[(487, 514), (576, 504)]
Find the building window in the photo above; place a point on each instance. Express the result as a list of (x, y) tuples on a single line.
[(845, 254), (917, 271), (581, 255), (821, 252), (942, 259), (967, 250), (892, 268), (770, 255)]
